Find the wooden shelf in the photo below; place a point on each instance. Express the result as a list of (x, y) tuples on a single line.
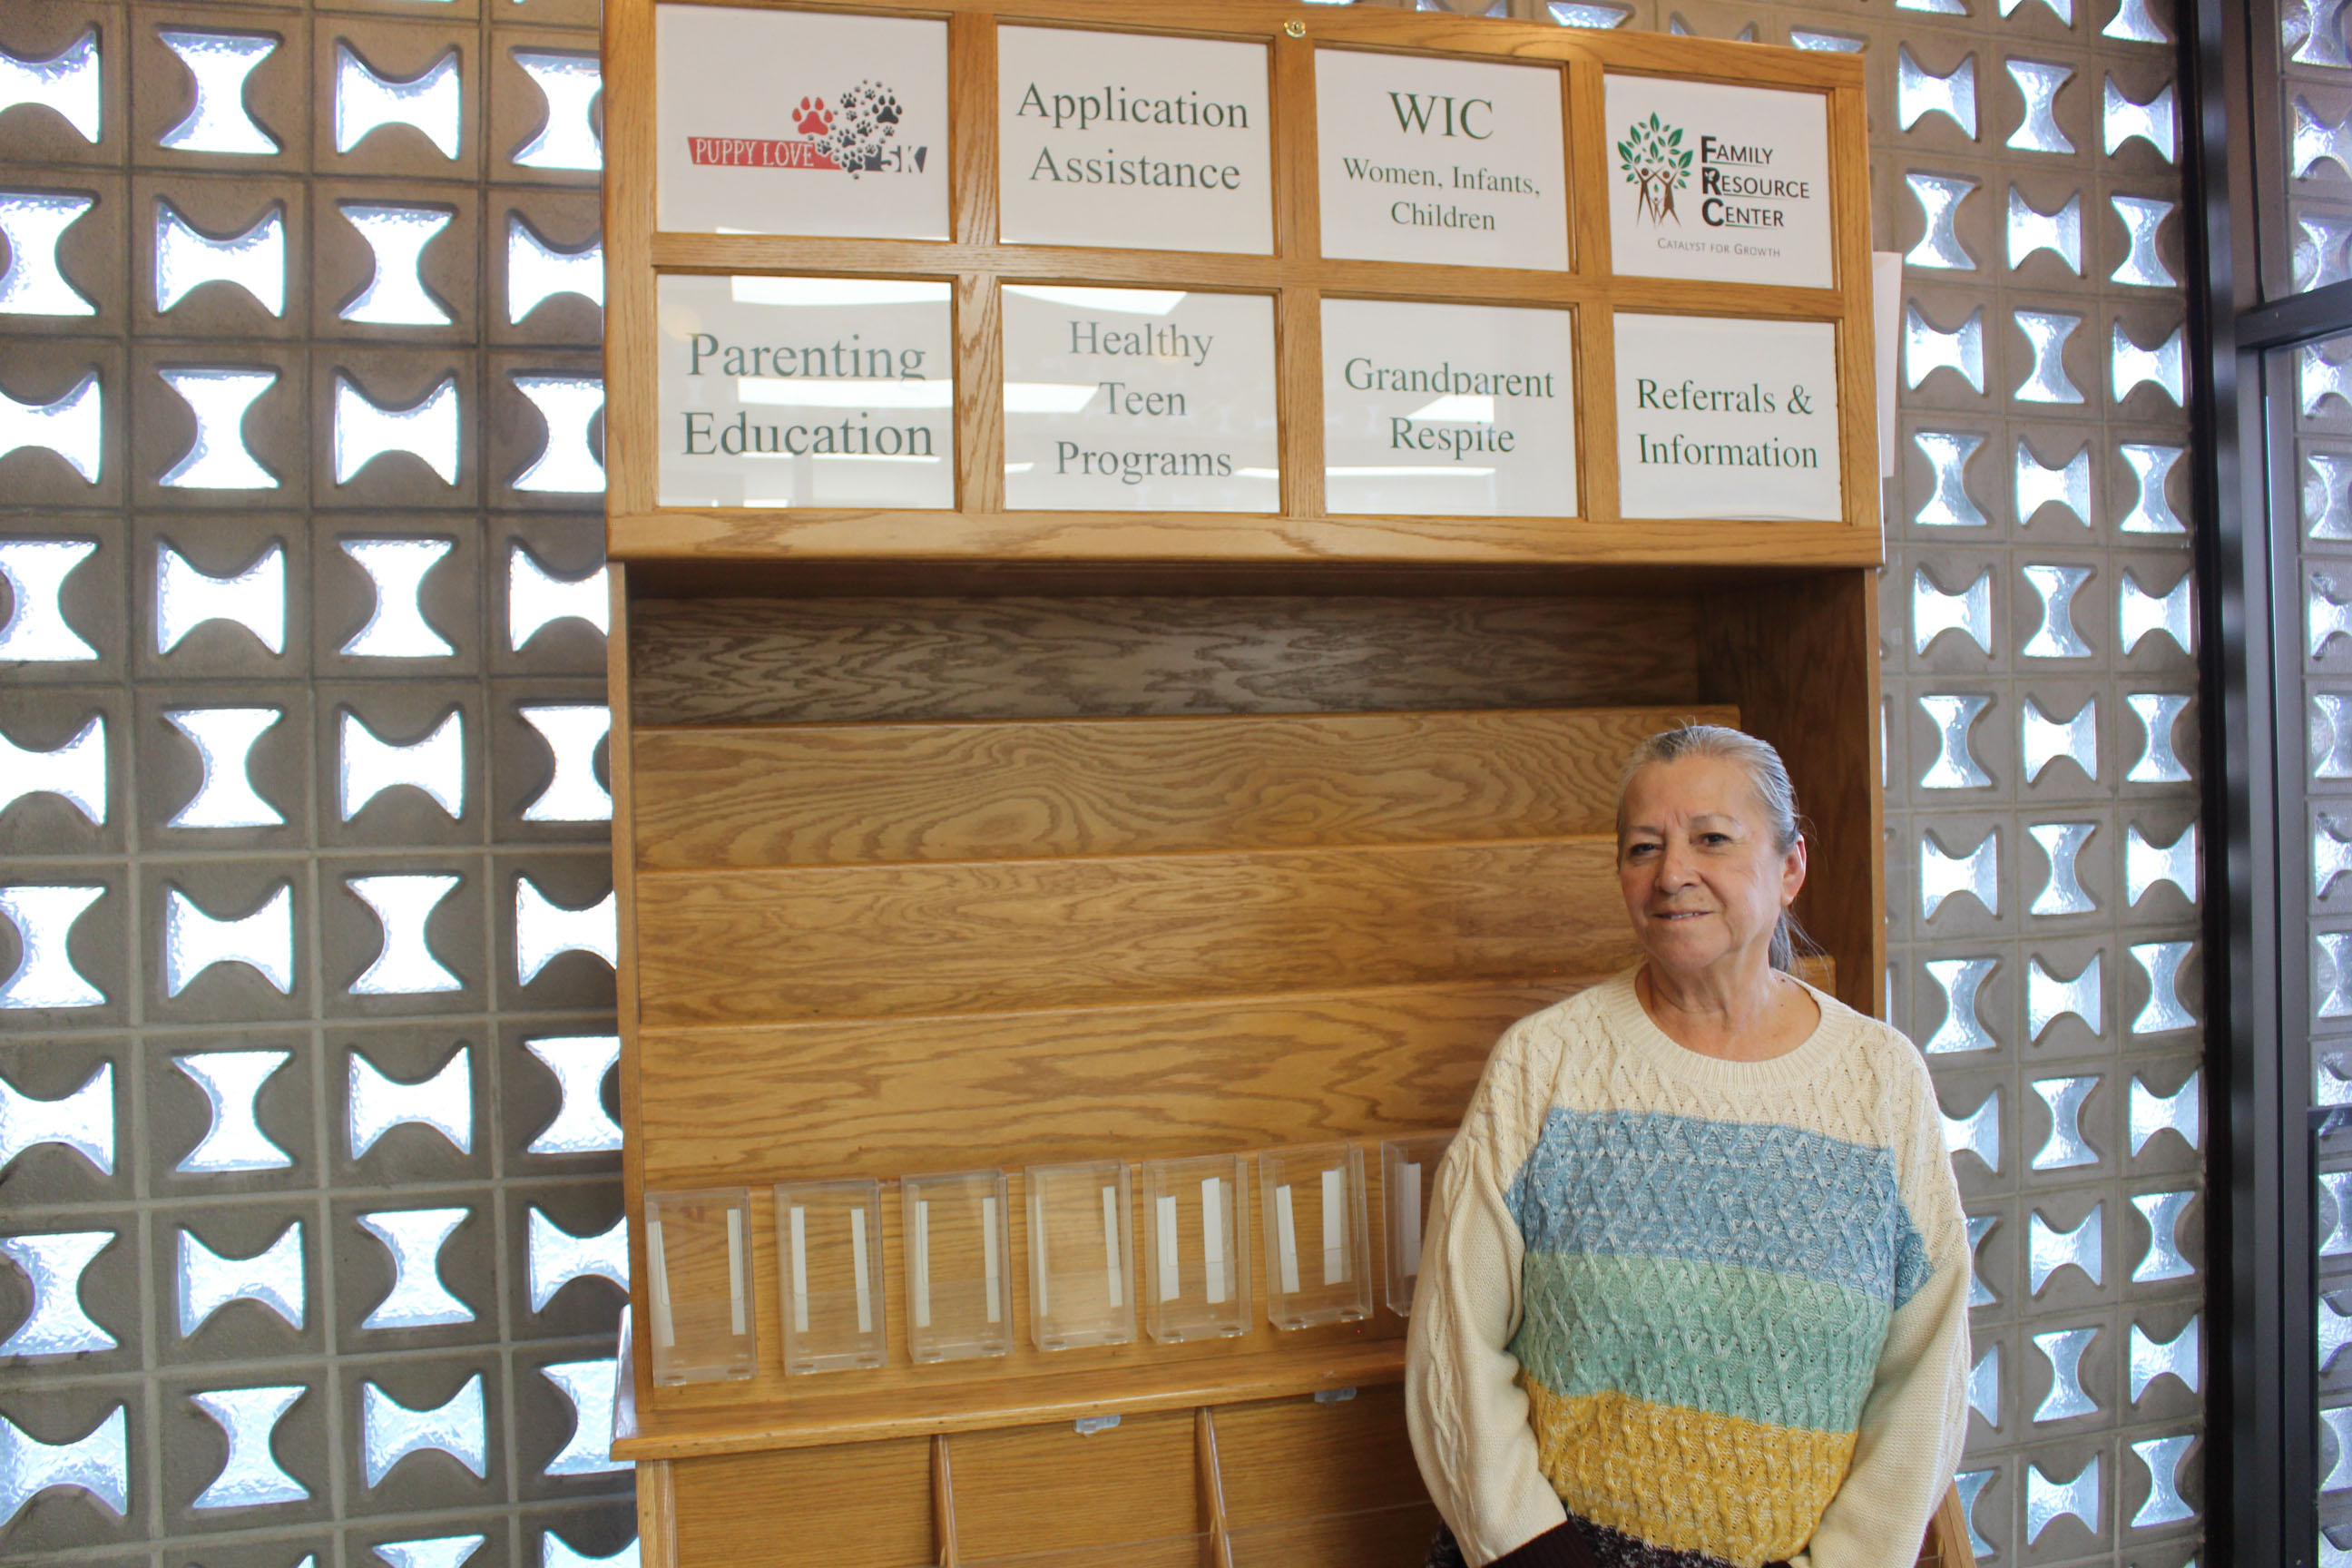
[(1135, 538), (1098, 268), (851, 1414)]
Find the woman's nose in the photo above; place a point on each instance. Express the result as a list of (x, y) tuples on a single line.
[(1674, 864)]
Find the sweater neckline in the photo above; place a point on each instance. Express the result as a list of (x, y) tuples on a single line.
[(1633, 1024)]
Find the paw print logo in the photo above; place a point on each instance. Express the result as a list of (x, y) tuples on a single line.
[(868, 117), (812, 118)]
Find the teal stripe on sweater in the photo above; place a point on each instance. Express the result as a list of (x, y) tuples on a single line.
[(1777, 1349)]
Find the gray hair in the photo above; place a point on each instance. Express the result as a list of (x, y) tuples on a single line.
[(1767, 780)]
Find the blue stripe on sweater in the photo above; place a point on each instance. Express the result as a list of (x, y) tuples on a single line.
[(1651, 1184)]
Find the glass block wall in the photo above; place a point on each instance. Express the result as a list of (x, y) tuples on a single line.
[(311, 1214), (2314, 76), (2311, 415), (2308, 412), (2043, 855), (305, 1035)]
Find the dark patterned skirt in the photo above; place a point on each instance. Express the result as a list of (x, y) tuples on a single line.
[(1604, 1547)]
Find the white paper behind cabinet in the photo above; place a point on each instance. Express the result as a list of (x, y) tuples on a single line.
[(797, 122), (797, 391), (1730, 182), (1131, 141), (1461, 162), (1452, 410), (1138, 400), (1727, 418)]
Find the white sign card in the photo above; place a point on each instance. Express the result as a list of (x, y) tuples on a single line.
[(1461, 162), (1724, 183), (1138, 400), (1132, 142), (1727, 418), (1459, 410), (799, 122), (800, 392)]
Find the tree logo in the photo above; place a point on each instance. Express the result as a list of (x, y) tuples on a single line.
[(1656, 164)]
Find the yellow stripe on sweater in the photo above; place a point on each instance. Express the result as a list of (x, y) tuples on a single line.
[(1689, 1479)]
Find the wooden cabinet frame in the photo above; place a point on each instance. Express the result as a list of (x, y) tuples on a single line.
[(1773, 625), (1294, 276)]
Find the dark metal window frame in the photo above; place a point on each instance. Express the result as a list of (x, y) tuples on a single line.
[(2261, 1388)]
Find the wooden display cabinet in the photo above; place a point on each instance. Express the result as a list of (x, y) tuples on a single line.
[(975, 839)]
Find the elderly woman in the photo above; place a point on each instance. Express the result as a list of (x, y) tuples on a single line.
[(1695, 1290)]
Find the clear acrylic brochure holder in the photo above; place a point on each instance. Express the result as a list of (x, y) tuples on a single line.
[(1196, 1280), (698, 1251), (1318, 1253), (1081, 1254), (1407, 1175), (959, 1292), (829, 1244)]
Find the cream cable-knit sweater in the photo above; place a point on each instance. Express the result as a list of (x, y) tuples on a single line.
[(1703, 1312)]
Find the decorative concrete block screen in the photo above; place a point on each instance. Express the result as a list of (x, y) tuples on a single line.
[(311, 1217), (2042, 758), (310, 1193)]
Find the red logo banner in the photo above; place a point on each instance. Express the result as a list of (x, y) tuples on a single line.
[(756, 152)]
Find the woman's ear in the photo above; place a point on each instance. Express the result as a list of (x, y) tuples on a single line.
[(1792, 872)]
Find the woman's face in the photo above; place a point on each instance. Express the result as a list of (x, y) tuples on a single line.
[(1704, 885)]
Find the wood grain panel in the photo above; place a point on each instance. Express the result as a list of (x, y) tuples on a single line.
[(1317, 1484), (1396, 1536), (842, 795), (675, 251), (1800, 660), (1047, 1488), (877, 1097), (979, 417), (716, 661), (632, 448), (620, 767), (948, 544), (1299, 405), (773, 946), (1290, 1460), (657, 1516), (1850, 177), (863, 1505), (1212, 1489), (943, 1521), (882, 578)]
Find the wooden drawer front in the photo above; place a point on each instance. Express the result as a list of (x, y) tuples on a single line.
[(862, 1505)]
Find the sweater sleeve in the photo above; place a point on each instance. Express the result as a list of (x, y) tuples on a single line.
[(1915, 1414), (1463, 1403)]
